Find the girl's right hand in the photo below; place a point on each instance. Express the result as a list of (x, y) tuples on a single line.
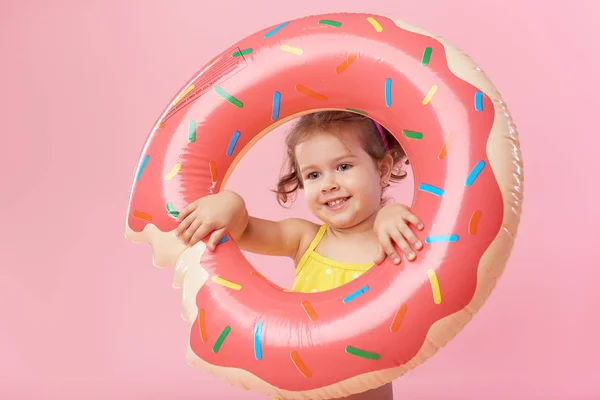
[(214, 214)]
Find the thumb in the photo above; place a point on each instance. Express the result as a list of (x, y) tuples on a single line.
[(380, 255), (214, 238)]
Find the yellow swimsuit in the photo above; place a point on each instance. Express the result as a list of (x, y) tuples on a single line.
[(316, 273)]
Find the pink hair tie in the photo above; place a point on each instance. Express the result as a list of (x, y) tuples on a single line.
[(380, 129)]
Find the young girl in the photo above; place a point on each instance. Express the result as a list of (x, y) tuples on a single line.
[(342, 162)]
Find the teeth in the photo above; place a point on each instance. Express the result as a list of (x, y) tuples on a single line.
[(335, 203)]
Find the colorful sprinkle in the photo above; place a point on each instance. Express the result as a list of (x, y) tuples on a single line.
[(202, 325), (171, 210), (243, 52), (474, 173), (291, 49), (229, 97), (361, 353), (441, 238), (213, 170), (398, 318), (430, 94), (435, 286), (349, 60), (276, 105), (330, 23), (473, 222), (309, 310), (257, 347), (221, 338), (299, 364), (192, 131), (354, 295), (182, 95), (388, 92), (274, 30), (173, 172), (223, 240), (162, 125), (478, 101), (443, 150), (232, 142), (356, 110), (141, 215), (310, 93), (426, 56), (227, 284), (412, 134), (142, 166), (375, 24), (431, 189)]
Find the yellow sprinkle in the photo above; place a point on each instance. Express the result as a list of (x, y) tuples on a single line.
[(375, 24), (182, 95), (435, 287), (430, 94), (225, 283), (173, 172), (293, 50)]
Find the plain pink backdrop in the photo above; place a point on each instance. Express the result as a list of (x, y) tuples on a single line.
[(81, 84)]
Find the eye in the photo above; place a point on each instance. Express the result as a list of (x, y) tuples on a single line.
[(312, 175), (344, 167)]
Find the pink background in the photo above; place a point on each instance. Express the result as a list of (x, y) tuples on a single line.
[(83, 81)]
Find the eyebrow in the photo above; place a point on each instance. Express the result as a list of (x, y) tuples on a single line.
[(335, 160)]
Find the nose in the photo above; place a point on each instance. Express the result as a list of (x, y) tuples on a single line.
[(329, 185)]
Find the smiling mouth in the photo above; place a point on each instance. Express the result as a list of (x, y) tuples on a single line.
[(337, 202)]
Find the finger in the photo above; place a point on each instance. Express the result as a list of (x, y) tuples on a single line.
[(185, 224), (414, 220), (388, 248), (410, 236), (380, 256), (200, 233), (402, 244), (191, 230), (187, 210), (215, 237)]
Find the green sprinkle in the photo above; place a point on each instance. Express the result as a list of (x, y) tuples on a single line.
[(192, 131), (242, 52), (220, 339), (426, 56), (171, 210), (229, 97), (330, 23), (357, 111), (412, 135), (361, 353)]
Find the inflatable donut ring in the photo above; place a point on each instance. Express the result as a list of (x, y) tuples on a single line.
[(468, 174)]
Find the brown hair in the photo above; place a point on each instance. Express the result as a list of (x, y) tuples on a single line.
[(369, 137)]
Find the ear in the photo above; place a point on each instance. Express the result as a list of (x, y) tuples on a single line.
[(385, 169)]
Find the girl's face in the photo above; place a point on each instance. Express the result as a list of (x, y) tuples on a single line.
[(342, 183)]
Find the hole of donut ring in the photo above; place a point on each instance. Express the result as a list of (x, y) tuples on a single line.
[(255, 177)]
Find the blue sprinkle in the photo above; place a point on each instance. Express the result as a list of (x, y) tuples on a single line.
[(354, 295), (474, 173), (137, 177), (431, 189), (276, 101), (478, 101), (257, 348), (441, 238), (223, 239), (388, 92), (274, 30), (232, 142)]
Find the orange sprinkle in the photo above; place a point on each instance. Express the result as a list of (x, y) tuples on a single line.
[(202, 325), (299, 364), (162, 125), (308, 92), (342, 67), (255, 273), (398, 318), (213, 170), (473, 222), (442, 153), (309, 310), (141, 215)]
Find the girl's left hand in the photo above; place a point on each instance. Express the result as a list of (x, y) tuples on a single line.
[(392, 225)]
